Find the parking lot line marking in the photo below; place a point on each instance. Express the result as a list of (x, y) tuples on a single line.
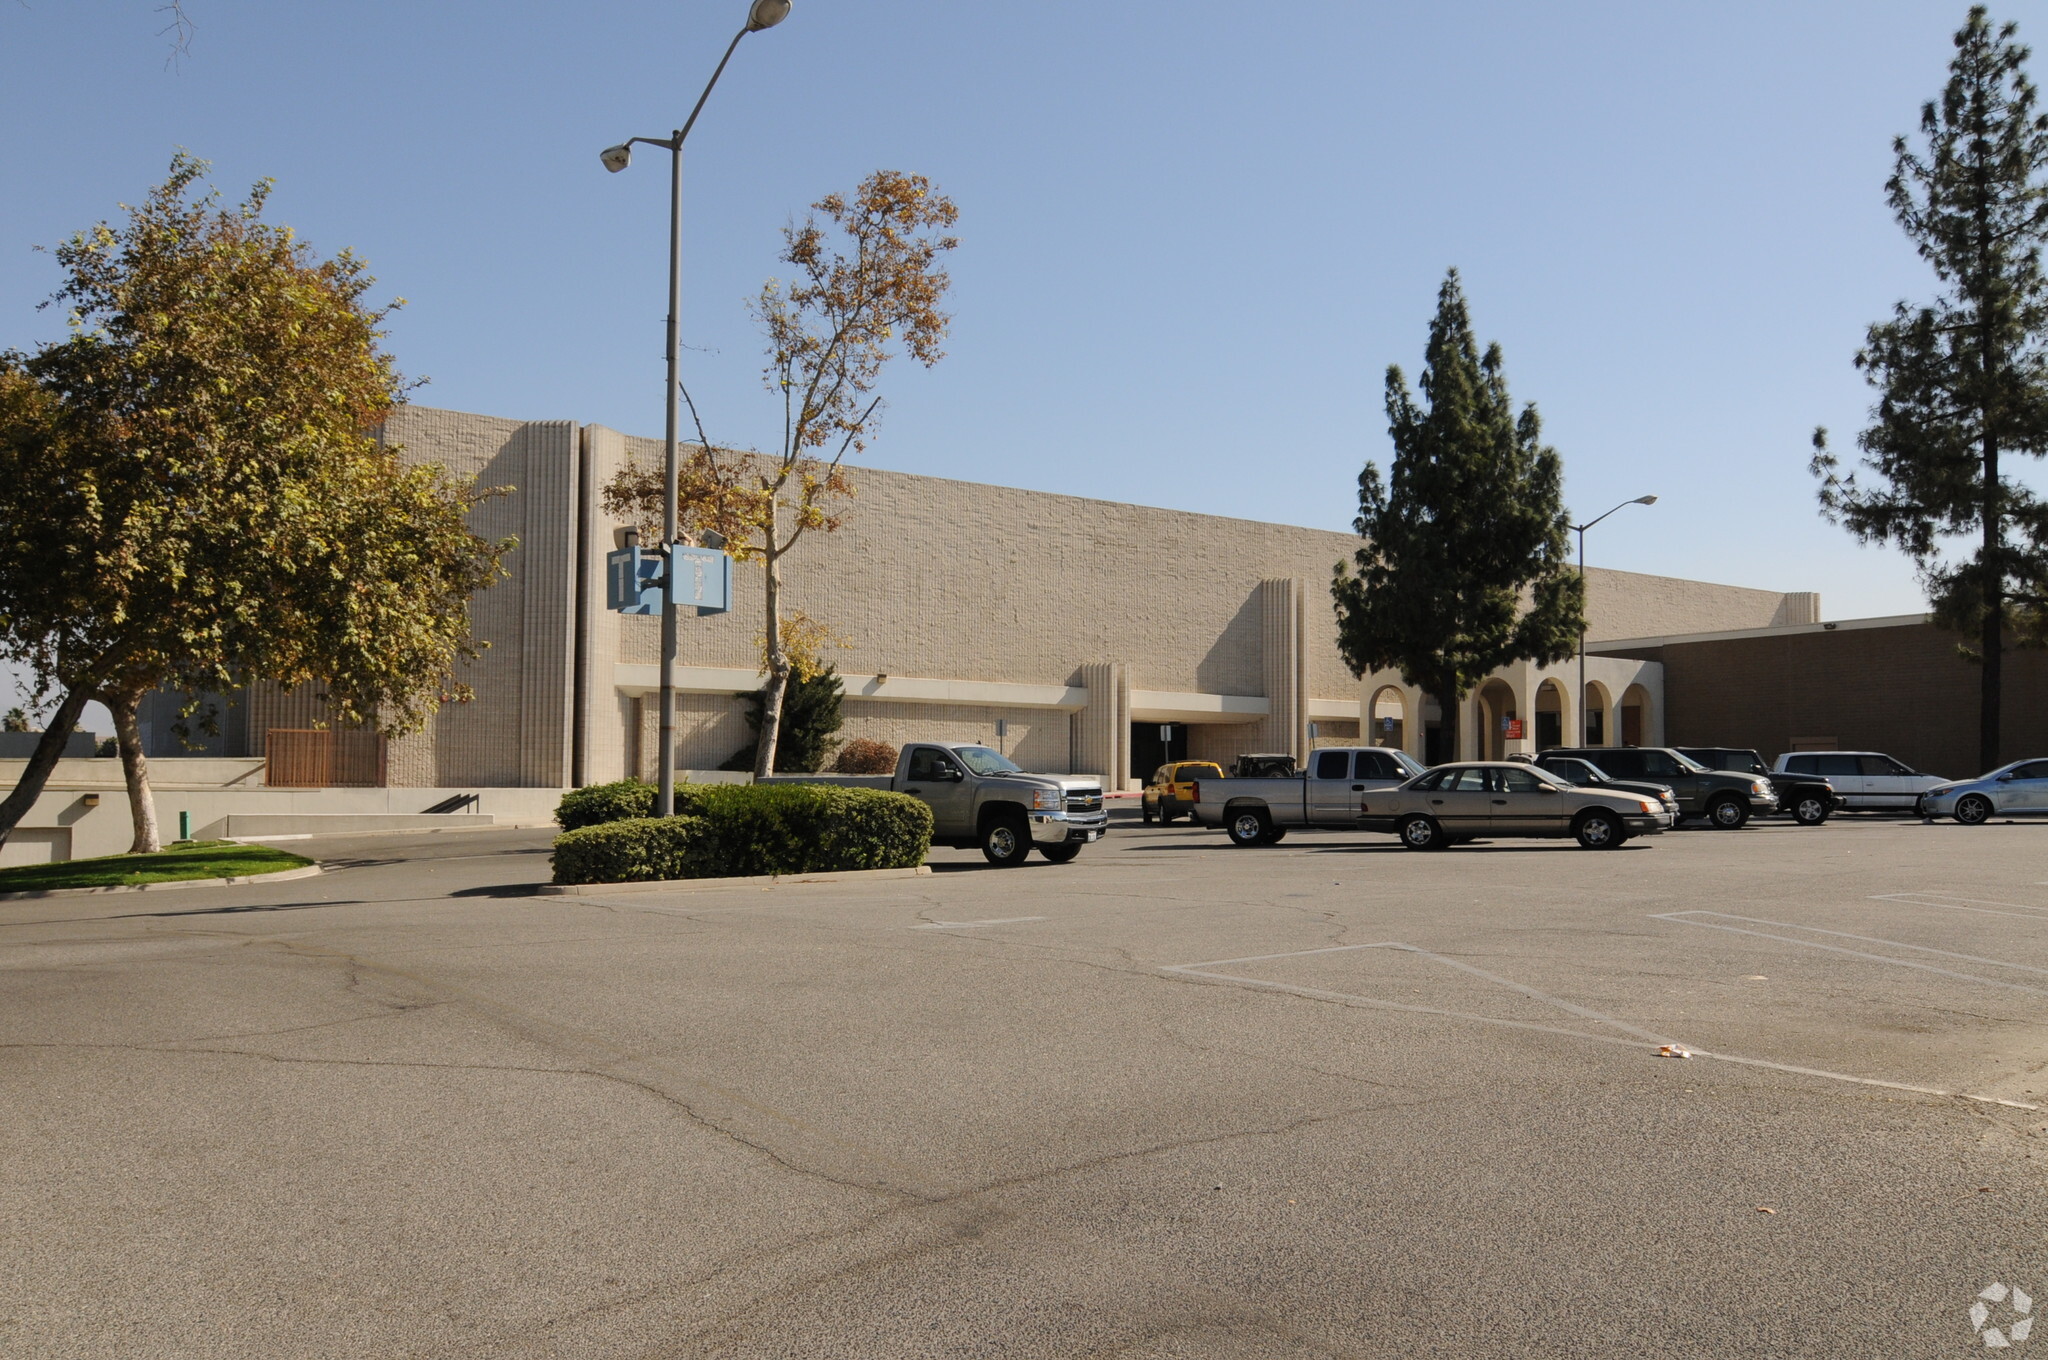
[(1684, 918), (998, 921), (1200, 971), (1982, 907)]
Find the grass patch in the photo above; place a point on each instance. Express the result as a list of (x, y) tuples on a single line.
[(196, 859)]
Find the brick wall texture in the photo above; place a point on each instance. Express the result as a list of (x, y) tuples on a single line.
[(1903, 690), (930, 579)]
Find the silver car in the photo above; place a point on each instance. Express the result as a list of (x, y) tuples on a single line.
[(1463, 802), (2010, 790)]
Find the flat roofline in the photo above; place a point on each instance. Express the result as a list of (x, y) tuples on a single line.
[(1779, 630), (1090, 500)]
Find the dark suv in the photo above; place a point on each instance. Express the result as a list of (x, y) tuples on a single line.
[(1724, 798), (1807, 798)]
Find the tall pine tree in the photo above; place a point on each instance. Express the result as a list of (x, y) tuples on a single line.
[(1466, 563), (1963, 382)]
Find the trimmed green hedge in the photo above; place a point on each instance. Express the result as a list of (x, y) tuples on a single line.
[(734, 830), (605, 803)]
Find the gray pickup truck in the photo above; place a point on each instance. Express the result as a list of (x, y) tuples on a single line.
[(980, 797), (1325, 796)]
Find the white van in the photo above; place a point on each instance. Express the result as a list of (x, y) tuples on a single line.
[(1866, 780)]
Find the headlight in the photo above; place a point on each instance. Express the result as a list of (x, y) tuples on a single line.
[(1650, 807), (1049, 800), (1759, 788)]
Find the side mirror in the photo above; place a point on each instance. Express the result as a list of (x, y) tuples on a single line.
[(1547, 788), (2008, 776), (952, 774)]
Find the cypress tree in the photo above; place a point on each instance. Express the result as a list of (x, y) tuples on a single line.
[(810, 715), (1963, 381), (1466, 562)]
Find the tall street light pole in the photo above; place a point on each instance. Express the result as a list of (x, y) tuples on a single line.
[(1580, 530), (760, 14)]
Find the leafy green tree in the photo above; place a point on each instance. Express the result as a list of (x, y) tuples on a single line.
[(1465, 565), (193, 497), (810, 715), (866, 282), (1963, 381)]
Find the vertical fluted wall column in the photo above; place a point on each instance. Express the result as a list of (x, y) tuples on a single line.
[(1103, 727), (1285, 665), (601, 715), (547, 623)]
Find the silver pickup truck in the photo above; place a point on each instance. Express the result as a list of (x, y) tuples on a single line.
[(980, 797), (1326, 796)]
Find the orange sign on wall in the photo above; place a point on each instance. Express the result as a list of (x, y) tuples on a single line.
[(1511, 728)]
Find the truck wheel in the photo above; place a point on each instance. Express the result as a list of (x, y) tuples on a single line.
[(1063, 853), (1249, 826), (1974, 810), (1006, 840), (1599, 831), (1420, 833), (1276, 835), (1810, 810), (1728, 813), (1145, 811)]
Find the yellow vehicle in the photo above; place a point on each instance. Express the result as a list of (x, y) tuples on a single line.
[(1170, 792)]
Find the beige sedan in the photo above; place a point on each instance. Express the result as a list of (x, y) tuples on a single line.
[(1471, 800)]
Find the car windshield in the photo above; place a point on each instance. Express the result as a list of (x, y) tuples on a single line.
[(1687, 763), (1409, 764), (981, 760)]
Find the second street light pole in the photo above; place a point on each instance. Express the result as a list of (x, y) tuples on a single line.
[(1580, 530), (760, 14)]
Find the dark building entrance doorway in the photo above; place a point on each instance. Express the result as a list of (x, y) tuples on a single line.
[(1149, 751)]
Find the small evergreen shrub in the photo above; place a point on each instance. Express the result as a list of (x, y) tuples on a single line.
[(810, 715), (736, 830), (861, 756), (637, 850)]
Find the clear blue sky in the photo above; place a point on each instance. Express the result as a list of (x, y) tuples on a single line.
[(1193, 235)]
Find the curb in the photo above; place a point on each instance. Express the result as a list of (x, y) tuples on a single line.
[(707, 884), (278, 877)]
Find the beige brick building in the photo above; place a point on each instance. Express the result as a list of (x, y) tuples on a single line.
[(1065, 630)]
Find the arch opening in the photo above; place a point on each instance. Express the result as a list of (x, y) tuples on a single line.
[(1598, 715), (1497, 720), (1635, 716), (1553, 716), (1387, 718)]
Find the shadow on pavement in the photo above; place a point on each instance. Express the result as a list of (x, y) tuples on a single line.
[(233, 911)]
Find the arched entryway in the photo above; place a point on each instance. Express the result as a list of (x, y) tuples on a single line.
[(1599, 708), (1497, 716), (1635, 716), (1553, 716), (1387, 719)]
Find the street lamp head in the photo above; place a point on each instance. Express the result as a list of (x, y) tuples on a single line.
[(617, 158), (1646, 500), (766, 14)]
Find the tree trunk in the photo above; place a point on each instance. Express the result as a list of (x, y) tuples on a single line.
[(47, 752), (778, 661), (1447, 726), (1992, 642), (135, 770)]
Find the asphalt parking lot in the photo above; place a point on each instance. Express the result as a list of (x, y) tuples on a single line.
[(1176, 1099)]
